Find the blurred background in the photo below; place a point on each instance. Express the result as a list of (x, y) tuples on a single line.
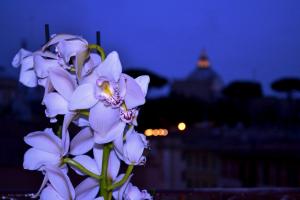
[(223, 107)]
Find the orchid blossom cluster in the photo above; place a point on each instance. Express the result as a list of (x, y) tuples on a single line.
[(90, 91)]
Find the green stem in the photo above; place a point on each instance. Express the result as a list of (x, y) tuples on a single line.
[(85, 113), (99, 49), (123, 180), (59, 132), (104, 181), (109, 195), (81, 168)]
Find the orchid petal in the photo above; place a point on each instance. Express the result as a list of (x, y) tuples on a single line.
[(65, 138), (113, 165), (60, 182), (134, 148), (80, 59), (44, 183), (82, 142), (34, 159), (91, 78), (27, 75), (68, 118), (106, 123), (42, 82), (83, 97), (46, 54), (118, 146), (69, 48), (62, 82), (55, 104), (143, 82), (18, 58), (111, 67), (88, 163), (49, 193), (28, 78), (60, 37), (44, 141), (134, 95), (42, 65), (98, 154), (82, 122), (111, 135), (93, 61), (119, 192), (133, 192), (87, 189)]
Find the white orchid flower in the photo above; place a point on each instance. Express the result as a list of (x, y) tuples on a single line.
[(66, 45), (43, 63), (58, 97), (59, 187), (112, 98), (47, 149), (131, 150), (74, 50), (24, 59), (133, 193)]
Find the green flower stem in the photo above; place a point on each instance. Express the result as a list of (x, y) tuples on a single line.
[(104, 182), (99, 49), (109, 195), (123, 180), (80, 167), (85, 113), (59, 132)]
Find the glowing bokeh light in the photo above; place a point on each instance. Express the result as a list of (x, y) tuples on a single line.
[(156, 132), (181, 126)]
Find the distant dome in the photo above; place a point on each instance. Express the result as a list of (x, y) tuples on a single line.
[(203, 83), (203, 74)]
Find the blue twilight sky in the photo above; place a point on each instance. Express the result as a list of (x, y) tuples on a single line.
[(245, 39)]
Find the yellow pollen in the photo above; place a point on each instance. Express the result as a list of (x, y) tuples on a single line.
[(105, 87)]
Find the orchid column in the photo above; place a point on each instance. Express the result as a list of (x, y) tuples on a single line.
[(91, 92)]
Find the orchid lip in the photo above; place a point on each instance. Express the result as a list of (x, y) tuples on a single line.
[(109, 93), (127, 115)]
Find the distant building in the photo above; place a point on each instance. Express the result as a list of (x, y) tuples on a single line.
[(203, 83), (224, 157)]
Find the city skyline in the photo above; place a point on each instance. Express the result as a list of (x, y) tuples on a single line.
[(250, 40)]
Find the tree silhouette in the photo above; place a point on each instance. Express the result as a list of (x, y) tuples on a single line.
[(288, 85), (243, 90), (157, 81)]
